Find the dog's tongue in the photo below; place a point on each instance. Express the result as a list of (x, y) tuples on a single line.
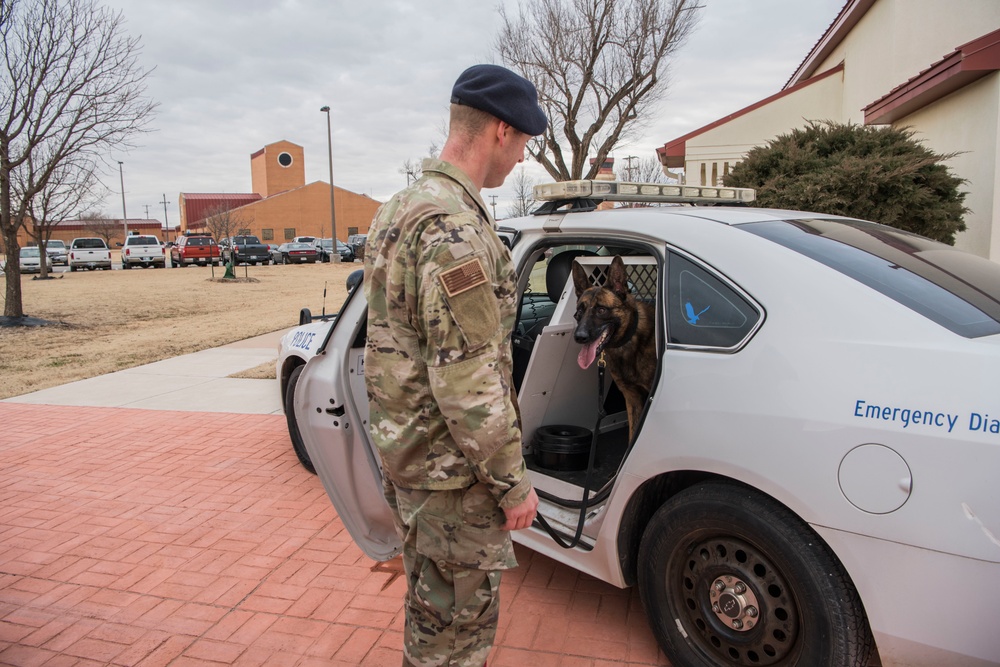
[(587, 354)]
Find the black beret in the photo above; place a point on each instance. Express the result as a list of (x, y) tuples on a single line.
[(501, 93)]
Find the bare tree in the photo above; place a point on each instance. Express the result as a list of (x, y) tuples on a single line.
[(72, 188), (645, 170), (413, 169), (524, 195), (599, 65), (101, 225), (71, 88), (223, 221)]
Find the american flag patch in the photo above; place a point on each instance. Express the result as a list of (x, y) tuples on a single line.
[(463, 278)]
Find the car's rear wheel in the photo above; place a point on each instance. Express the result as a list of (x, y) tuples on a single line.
[(293, 425), (284, 259), (728, 576)]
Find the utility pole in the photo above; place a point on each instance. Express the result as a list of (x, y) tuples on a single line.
[(165, 202), (628, 169), (494, 205), (121, 176), (146, 206)]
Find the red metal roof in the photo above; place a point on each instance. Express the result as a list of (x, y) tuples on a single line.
[(672, 154), (964, 65), (200, 205), (849, 16)]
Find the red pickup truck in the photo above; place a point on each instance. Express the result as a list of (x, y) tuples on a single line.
[(195, 249)]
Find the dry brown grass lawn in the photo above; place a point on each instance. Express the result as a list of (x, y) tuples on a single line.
[(119, 319)]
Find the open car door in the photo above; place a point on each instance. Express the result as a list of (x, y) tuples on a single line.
[(331, 407)]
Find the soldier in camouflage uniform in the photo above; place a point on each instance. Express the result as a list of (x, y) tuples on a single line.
[(442, 303)]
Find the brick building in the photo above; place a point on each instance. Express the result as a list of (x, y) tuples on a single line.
[(282, 205), (111, 230)]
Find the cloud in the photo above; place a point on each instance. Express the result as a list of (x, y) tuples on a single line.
[(232, 76)]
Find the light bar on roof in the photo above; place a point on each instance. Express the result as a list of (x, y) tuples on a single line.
[(650, 193)]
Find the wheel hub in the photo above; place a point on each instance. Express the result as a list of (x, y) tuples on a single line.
[(734, 603)]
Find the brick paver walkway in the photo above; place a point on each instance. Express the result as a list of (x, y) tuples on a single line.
[(135, 537)]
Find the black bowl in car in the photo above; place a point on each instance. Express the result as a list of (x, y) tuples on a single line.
[(562, 447)]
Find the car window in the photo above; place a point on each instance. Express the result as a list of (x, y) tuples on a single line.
[(703, 310), (142, 240), (957, 290), (29, 252), (199, 241), (89, 243)]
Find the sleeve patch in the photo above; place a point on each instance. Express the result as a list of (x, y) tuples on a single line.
[(463, 278)]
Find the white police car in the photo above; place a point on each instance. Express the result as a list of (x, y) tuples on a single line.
[(814, 478)]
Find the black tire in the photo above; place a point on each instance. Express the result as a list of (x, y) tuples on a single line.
[(293, 426), (728, 577), (284, 259), (72, 269)]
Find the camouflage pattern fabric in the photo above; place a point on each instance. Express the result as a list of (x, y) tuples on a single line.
[(441, 307), (452, 604)]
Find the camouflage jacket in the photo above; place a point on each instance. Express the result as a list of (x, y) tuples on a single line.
[(441, 306)]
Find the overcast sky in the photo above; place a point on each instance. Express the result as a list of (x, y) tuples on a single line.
[(232, 76)]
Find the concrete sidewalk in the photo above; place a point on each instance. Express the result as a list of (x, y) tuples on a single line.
[(196, 382)]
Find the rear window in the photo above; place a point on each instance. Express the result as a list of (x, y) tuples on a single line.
[(142, 240), (955, 289), (244, 240), (89, 243), (199, 241)]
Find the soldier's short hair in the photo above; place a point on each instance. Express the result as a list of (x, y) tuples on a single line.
[(468, 122)]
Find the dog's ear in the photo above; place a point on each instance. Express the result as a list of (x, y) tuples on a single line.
[(618, 278), (580, 280)]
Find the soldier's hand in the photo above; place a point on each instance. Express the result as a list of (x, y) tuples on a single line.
[(521, 516)]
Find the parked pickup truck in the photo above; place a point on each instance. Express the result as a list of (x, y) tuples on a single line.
[(89, 253), (244, 249), (194, 249), (143, 249)]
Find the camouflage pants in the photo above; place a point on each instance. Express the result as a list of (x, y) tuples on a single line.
[(453, 554)]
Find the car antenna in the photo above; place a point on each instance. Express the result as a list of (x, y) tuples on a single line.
[(324, 298)]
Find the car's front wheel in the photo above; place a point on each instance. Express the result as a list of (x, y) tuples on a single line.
[(728, 576), (293, 425)]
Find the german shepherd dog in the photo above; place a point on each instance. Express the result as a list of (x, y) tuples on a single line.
[(610, 321)]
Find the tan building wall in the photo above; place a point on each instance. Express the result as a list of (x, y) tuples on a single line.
[(713, 153), (305, 211), (880, 45), (276, 168), (70, 229)]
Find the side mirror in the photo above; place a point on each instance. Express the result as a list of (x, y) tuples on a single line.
[(305, 316)]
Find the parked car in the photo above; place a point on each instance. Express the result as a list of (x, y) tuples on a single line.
[(57, 252), (89, 253), (811, 480), (195, 248), (294, 253), (143, 250), (357, 244), (324, 248), (304, 239), (31, 260), (244, 249)]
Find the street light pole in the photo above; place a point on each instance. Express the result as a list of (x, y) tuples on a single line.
[(335, 252), (121, 176)]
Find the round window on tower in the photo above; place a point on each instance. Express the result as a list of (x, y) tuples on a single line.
[(285, 160)]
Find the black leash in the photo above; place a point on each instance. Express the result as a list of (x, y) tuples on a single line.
[(585, 500)]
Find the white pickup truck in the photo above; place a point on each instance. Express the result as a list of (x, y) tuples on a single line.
[(89, 253)]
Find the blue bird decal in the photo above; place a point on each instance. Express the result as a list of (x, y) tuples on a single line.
[(691, 317)]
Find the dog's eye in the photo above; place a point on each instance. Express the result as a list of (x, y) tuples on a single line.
[(601, 310)]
